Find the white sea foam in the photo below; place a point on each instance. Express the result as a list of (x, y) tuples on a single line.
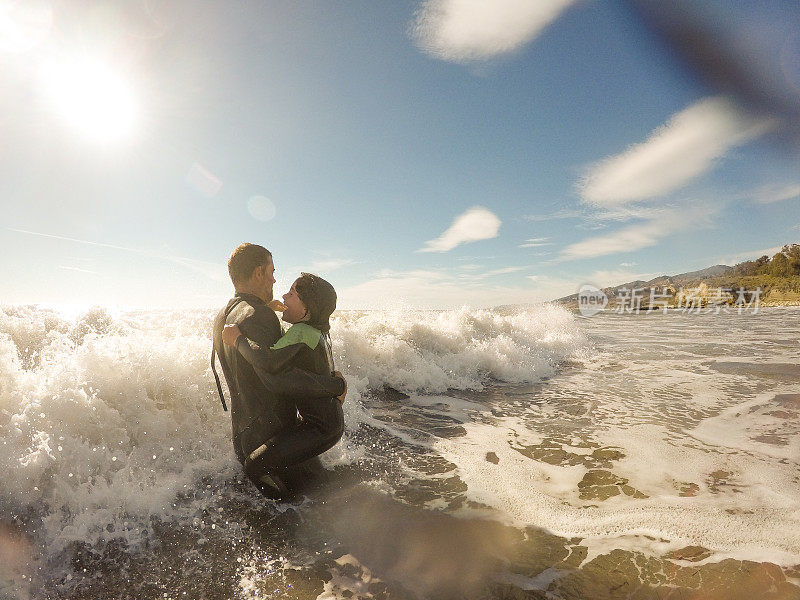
[(107, 420), (105, 425), (712, 444), (761, 524), (431, 351)]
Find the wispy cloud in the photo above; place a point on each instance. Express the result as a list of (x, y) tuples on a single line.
[(641, 235), (475, 224), (732, 259), (777, 193), (535, 243), (629, 239), (492, 273), (564, 213), (211, 270), (329, 264), (69, 239), (673, 155), (78, 269), (465, 30), (505, 270)]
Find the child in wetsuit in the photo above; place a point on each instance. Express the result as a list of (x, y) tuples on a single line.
[(306, 345)]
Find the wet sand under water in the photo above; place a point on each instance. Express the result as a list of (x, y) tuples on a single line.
[(404, 552)]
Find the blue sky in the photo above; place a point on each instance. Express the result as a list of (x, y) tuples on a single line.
[(426, 154)]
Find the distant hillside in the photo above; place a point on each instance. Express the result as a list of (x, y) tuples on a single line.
[(777, 277)]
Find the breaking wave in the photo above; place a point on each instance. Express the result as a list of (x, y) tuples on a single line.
[(110, 421)]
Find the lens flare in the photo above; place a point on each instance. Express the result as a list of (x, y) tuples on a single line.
[(261, 208)]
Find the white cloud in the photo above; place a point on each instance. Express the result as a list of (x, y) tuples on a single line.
[(641, 235), (769, 194), (464, 30), (629, 239), (674, 154), (439, 289), (612, 277), (475, 224), (535, 243), (732, 259)]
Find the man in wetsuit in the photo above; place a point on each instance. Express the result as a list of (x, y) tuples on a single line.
[(307, 346), (260, 406)]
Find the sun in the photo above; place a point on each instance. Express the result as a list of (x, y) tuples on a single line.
[(91, 98)]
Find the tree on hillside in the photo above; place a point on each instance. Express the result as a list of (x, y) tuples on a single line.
[(791, 251), (747, 267), (779, 266), (760, 266)]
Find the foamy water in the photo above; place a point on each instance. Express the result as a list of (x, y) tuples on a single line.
[(646, 433)]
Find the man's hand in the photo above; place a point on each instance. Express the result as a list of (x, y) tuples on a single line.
[(344, 393), (230, 333)]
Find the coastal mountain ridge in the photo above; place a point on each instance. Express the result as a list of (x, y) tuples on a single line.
[(777, 278)]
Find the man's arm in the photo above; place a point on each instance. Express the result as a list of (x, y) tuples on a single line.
[(268, 359), (261, 328)]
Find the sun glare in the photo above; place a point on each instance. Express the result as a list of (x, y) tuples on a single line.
[(91, 98), (24, 25)]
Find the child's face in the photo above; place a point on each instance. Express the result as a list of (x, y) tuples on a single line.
[(295, 309)]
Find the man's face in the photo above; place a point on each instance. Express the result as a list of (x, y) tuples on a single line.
[(266, 275)]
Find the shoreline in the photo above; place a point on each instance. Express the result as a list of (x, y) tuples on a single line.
[(572, 306)]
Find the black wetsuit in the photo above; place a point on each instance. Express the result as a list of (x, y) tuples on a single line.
[(322, 421), (263, 405)]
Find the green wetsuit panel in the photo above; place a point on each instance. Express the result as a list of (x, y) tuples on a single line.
[(299, 333)]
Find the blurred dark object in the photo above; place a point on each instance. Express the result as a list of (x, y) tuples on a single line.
[(747, 49)]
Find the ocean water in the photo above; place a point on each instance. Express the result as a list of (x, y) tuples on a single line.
[(508, 453)]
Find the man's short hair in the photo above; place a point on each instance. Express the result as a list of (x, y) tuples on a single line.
[(245, 259)]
